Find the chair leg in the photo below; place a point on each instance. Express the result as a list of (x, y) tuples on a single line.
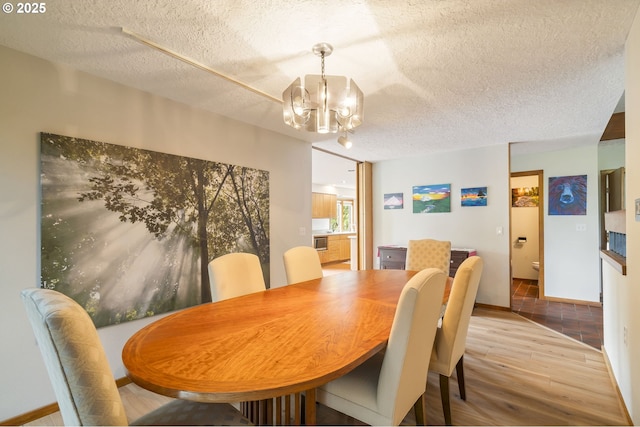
[(460, 372), (444, 395), (420, 408)]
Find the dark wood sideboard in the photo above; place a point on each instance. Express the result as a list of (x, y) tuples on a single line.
[(394, 257)]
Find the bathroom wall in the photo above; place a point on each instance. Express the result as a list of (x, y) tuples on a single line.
[(524, 223)]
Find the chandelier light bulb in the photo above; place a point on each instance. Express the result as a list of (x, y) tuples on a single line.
[(344, 141)]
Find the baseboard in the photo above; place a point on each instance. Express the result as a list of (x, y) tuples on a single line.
[(30, 416), (492, 307), (572, 301), (623, 407), (121, 382)]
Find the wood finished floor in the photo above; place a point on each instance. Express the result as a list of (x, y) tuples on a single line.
[(517, 373)]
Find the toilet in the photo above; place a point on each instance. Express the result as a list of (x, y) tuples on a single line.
[(535, 265)]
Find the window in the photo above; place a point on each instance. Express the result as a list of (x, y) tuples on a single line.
[(344, 212)]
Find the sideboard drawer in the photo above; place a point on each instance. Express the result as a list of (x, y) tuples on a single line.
[(457, 258), (392, 257)]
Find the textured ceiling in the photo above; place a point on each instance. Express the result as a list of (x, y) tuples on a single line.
[(437, 74)]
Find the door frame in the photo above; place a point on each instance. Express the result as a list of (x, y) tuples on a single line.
[(540, 174)]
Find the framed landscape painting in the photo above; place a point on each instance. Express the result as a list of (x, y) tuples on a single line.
[(525, 197), (128, 233), (393, 201), (475, 196), (432, 198)]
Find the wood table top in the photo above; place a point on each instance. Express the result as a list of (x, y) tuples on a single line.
[(267, 344)]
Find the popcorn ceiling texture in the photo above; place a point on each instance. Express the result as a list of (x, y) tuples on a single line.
[(437, 75)]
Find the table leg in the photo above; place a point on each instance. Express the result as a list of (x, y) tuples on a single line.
[(297, 411), (278, 414), (267, 418), (310, 407), (287, 410)]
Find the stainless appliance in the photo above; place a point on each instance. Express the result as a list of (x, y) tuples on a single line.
[(320, 243)]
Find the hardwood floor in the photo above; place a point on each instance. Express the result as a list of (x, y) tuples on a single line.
[(335, 268), (580, 322), (516, 372)]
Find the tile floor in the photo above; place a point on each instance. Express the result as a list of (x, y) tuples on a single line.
[(581, 322)]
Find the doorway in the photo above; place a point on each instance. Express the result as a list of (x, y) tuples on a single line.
[(527, 235), (335, 177)]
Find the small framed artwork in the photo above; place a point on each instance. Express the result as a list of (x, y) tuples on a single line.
[(524, 197), (568, 195), (638, 210), (432, 198), (393, 201), (475, 196)]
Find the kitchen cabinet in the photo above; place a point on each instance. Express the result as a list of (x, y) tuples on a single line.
[(344, 248), (338, 249), (323, 205)]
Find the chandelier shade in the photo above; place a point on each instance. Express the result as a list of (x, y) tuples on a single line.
[(323, 104)]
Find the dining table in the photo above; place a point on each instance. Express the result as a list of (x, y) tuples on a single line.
[(279, 342)]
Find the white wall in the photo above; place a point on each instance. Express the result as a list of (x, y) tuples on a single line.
[(622, 293), (571, 257), (611, 154), (468, 227), (40, 96), (524, 223)]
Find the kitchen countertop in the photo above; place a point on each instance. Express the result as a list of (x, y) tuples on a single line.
[(323, 234)]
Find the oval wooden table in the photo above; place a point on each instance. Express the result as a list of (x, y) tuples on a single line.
[(274, 343)]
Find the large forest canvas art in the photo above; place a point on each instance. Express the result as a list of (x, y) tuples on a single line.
[(128, 233)]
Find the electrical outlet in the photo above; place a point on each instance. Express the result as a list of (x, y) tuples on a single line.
[(302, 231), (581, 227), (625, 335)]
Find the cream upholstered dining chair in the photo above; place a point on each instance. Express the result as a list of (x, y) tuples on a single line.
[(81, 376), (451, 336), (235, 274), (302, 263), (427, 253), (383, 389)]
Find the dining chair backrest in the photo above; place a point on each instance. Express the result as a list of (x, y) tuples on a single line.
[(82, 379), (75, 360), (451, 337), (404, 370), (302, 263), (382, 390), (235, 274), (427, 253)]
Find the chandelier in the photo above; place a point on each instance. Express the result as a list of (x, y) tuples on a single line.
[(323, 104)]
